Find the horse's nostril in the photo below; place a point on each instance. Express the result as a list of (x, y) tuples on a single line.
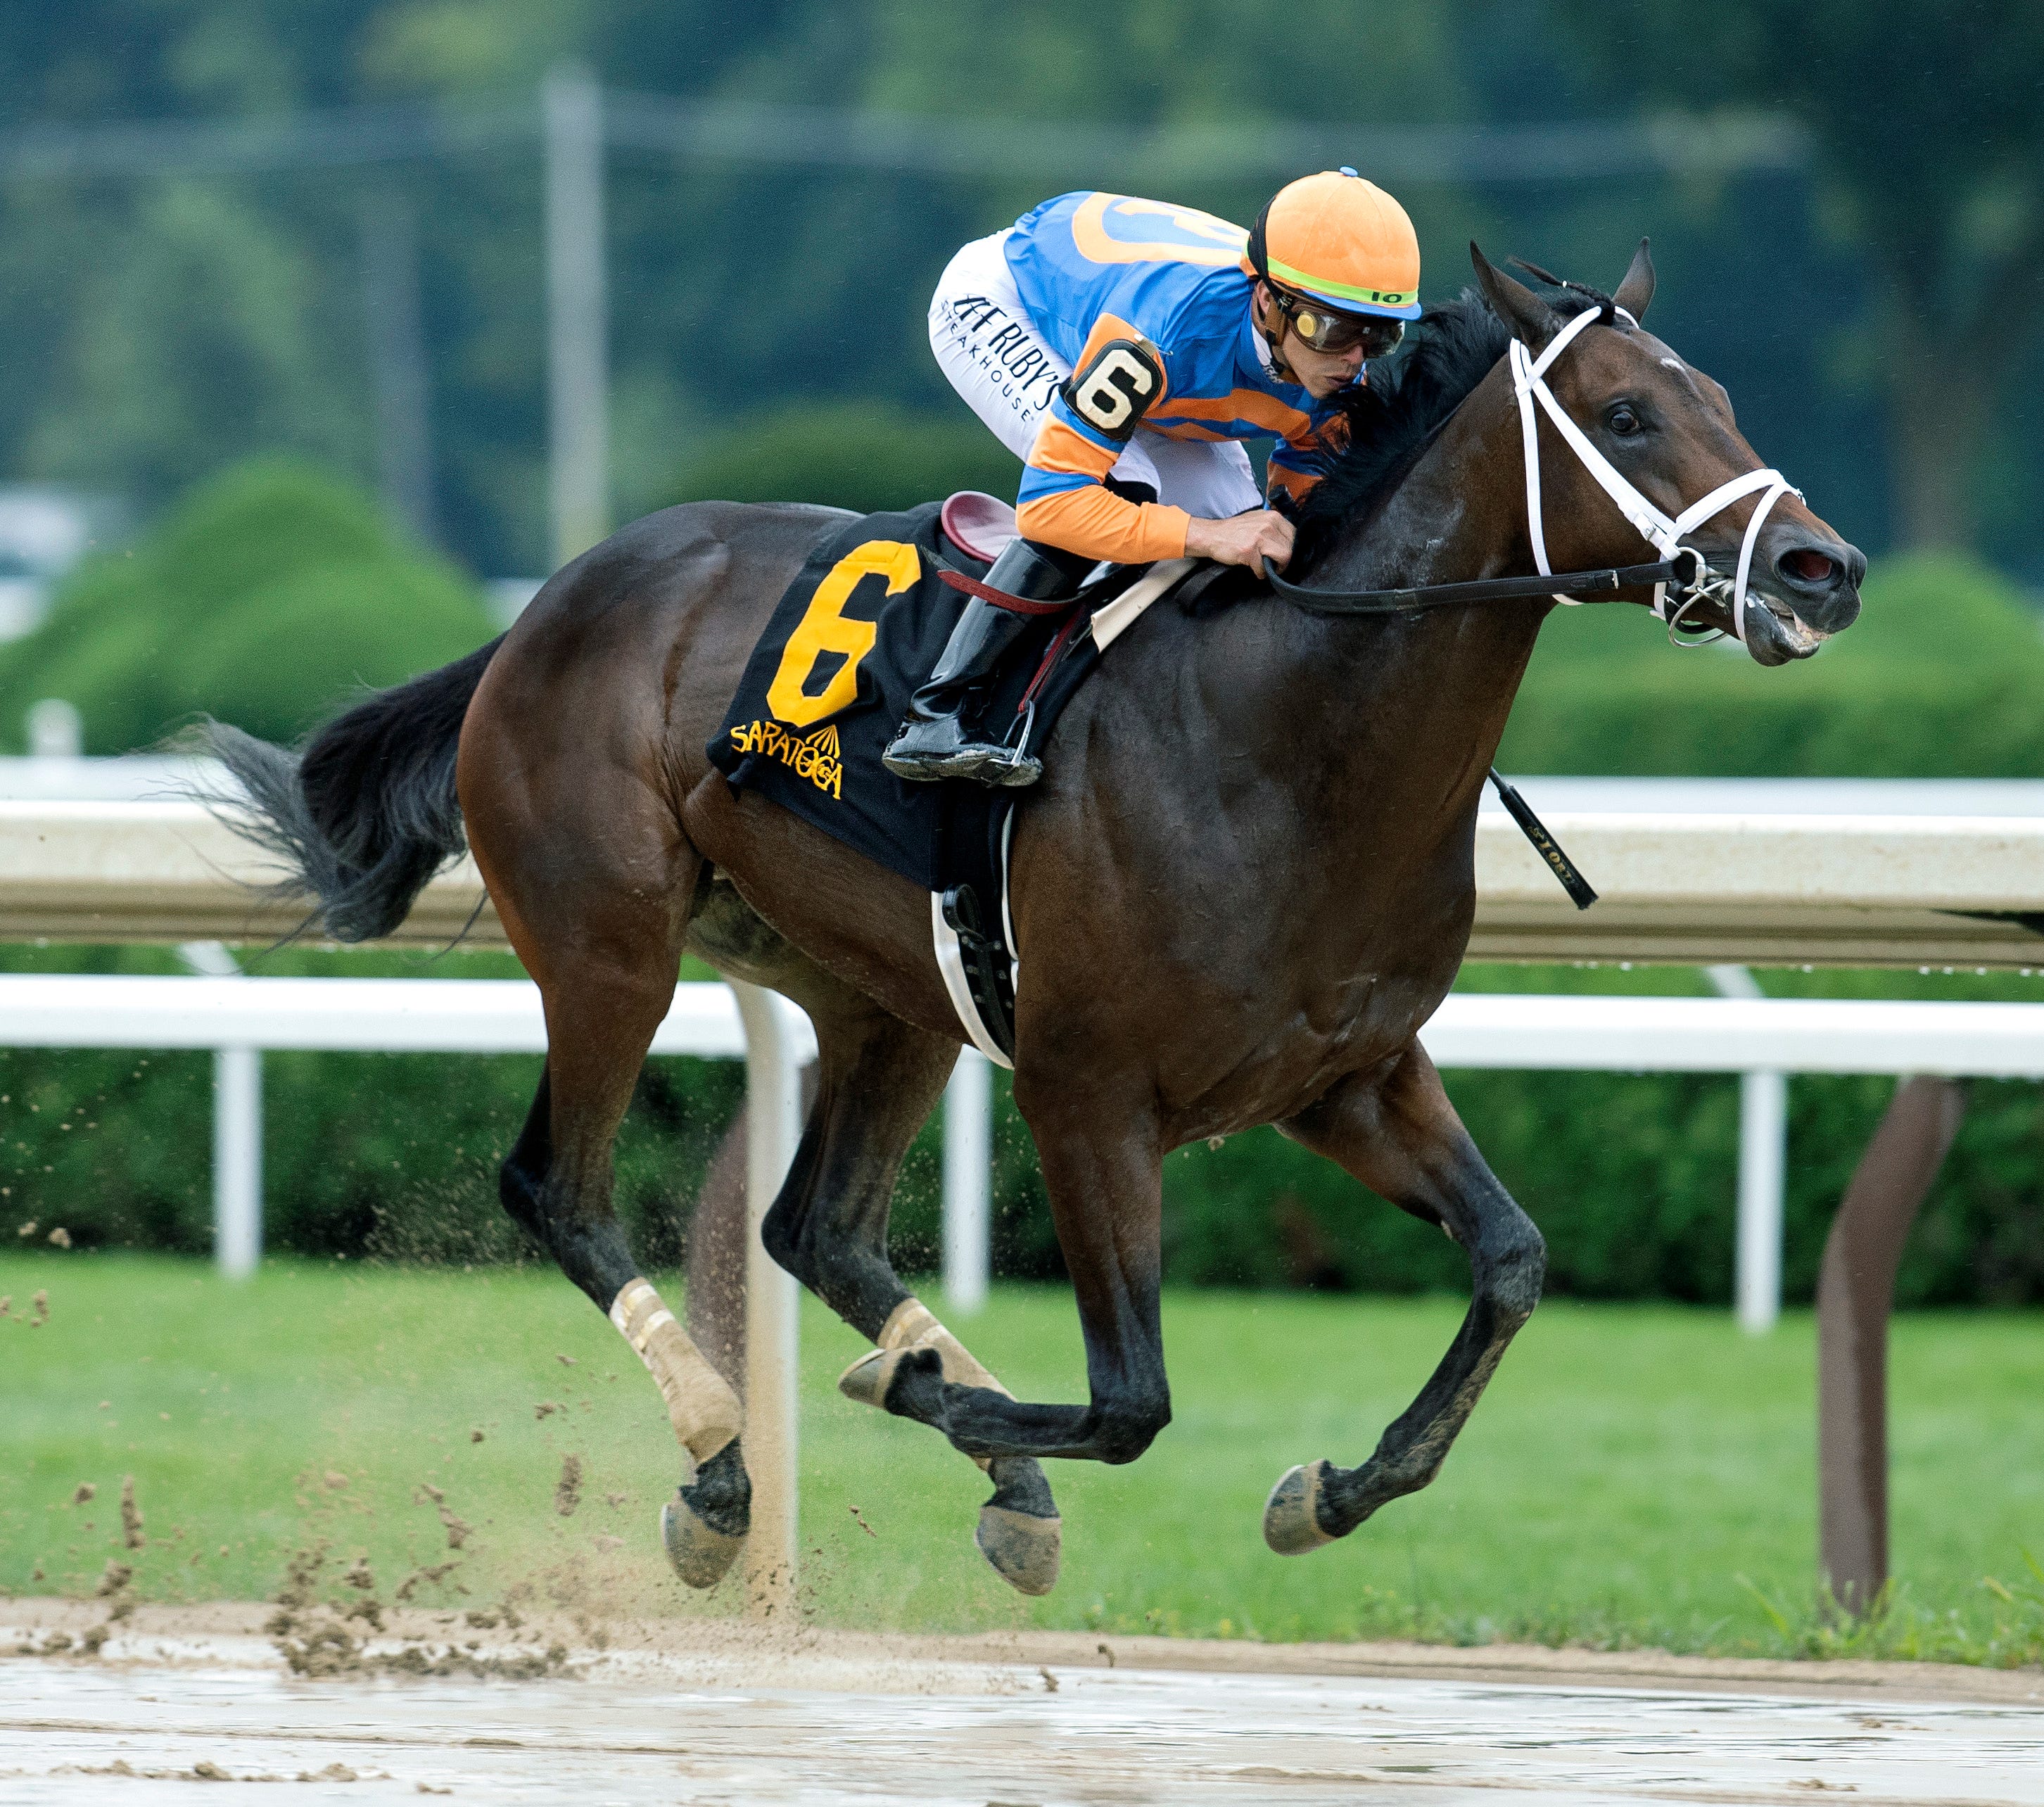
[(1806, 565)]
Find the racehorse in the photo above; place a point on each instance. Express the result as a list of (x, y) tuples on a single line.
[(1243, 886)]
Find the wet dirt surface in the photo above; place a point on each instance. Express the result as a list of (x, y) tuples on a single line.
[(810, 1720)]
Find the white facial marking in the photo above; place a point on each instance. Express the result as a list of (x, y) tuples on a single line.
[(1671, 363)]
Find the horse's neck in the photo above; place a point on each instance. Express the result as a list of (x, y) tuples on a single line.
[(1459, 514), (1436, 688)]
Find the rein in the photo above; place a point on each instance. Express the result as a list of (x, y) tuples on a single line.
[(1696, 583), (1579, 585)]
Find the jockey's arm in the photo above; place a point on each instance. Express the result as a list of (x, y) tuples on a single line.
[(1262, 533), (1064, 501)]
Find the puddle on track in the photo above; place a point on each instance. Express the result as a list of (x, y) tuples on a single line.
[(985, 1734)]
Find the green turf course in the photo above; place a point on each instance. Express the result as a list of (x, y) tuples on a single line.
[(1629, 1466)]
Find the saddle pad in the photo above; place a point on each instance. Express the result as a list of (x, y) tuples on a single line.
[(830, 679), (857, 631)]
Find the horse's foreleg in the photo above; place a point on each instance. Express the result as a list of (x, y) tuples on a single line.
[(879, 1079), (1400, 1135), (1105, 1199)]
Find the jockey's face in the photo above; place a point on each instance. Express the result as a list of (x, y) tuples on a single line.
[(1322, 375)]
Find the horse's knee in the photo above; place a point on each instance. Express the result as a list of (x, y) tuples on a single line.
[(1127, 1426), (1516, 1265)]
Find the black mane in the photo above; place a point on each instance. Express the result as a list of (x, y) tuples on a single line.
[(1408, 399)]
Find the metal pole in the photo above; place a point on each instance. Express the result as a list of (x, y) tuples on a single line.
[(773, 1118), (237, 1133), (1855, 1294), (397, 371), (1763, 1160), (968, 1158), (578, 357)]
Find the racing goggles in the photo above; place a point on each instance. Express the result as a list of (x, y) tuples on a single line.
[(1325, 330)]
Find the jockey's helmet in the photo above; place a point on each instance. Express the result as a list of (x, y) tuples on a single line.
[(1339, 240)]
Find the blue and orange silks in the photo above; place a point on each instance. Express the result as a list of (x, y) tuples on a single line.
[(1093, 268)]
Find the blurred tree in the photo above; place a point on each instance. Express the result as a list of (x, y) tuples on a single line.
[(863, 455), (264, 599), (163, 323), (1927, 125)]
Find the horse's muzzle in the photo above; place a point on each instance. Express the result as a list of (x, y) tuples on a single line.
[(1817, 576), (1803, 589)]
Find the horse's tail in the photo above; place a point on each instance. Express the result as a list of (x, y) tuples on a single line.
[(365, 812)]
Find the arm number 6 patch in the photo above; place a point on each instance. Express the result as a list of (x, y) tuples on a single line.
[(1112, 392)]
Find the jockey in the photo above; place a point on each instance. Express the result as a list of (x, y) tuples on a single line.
[(1124, 349)]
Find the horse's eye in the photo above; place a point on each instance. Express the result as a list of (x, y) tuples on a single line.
[(1622, 419)]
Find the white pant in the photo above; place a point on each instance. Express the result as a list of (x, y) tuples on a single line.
[(987, 345)]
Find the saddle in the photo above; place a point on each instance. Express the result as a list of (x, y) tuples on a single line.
[(979, 525), (857, 632)]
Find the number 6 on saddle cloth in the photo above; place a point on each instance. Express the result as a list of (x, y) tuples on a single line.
[(861, 627)]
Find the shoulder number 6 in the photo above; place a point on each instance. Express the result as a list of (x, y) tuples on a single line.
[(1116, 389)]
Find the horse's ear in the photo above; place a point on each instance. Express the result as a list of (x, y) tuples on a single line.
[(1529, 317), (1637, 291)]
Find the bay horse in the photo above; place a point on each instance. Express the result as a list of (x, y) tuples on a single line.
[(1243, 886)]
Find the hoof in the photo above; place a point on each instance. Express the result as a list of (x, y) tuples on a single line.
[(1291, 1516), (868, 1378), (1022, 1549), (700, 1553), (909, 1382)]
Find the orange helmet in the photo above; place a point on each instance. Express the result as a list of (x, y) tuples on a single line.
[(1341, 241)]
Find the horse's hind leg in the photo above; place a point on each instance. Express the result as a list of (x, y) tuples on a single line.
[(1400, 1135), (606, 975), (878, 1080)]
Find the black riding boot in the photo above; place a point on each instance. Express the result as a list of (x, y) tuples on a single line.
[(933, 743)]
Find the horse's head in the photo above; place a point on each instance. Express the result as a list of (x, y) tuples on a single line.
[(1667, 429)]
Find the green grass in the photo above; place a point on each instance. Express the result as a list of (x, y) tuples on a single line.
[(1635, 1474)]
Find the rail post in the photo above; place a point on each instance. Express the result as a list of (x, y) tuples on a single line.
[(1855, 1294), (237, 1133), (968, 1181), (773, 1120), (1763, 1148)]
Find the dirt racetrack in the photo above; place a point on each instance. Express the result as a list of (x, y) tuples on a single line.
[(178, 1695)]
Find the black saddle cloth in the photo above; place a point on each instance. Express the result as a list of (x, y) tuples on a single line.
[(830, 679)]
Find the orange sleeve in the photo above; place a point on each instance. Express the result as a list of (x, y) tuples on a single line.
[(1096, 523)]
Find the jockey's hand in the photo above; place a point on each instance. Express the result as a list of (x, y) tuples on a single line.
[(1242, 539)]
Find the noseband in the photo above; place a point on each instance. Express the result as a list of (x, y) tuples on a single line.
[(1681, 568)]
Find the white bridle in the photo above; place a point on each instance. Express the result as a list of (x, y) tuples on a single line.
[(1529, 384)]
